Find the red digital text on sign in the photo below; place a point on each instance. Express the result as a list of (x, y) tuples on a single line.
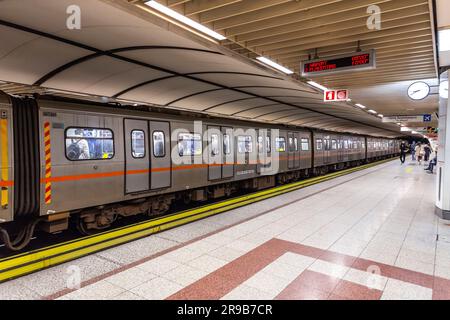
[(319, 66), (360, 59), (336, 64)]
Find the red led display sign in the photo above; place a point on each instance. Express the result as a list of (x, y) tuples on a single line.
[(357, 61)]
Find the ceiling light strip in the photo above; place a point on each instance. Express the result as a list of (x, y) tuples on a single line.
[(317, 85), (274, 65), (185, 20)]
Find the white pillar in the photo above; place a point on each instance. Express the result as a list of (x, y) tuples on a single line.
[(443, 163)]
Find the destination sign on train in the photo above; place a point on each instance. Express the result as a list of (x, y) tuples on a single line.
[(354, 62)]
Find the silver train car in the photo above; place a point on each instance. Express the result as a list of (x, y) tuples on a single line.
[(95, 163)]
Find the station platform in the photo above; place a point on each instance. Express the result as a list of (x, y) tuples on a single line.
[(371, 234)]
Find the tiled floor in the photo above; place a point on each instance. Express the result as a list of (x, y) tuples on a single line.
[(370, 235)]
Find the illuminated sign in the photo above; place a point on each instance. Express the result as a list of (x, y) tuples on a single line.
[(335, 95), (355, 62), (418, 118)]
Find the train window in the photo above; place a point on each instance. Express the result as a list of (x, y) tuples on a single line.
[(214, 144), (355, 145), (260, 144), (345, 144), (319, 144), (89, 144), (333, 145), (159, 149), (226, 144), (138, 144), (295, 144), (245, 144), (268, 145), (280, 144), (305, 144), (189, 144)]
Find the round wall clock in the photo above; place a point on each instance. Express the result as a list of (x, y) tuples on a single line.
[(418, 90)]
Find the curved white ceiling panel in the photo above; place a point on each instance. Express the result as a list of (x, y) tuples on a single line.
[(93, 76), (261, 110), (187, 61), (231, 108), (27, 58), (210, 99), (165, 91)]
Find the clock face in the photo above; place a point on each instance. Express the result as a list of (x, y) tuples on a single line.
[(443, 89), (418, 90)]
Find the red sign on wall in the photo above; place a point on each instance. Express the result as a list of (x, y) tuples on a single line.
[(335, 95)]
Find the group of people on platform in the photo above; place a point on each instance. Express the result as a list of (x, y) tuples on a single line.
[(419, 152)]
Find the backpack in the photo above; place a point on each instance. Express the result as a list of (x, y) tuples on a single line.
[(73, 151)]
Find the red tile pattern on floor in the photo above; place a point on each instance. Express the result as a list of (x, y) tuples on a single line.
[(353, 291), (309, 284), (406, 275), (215, 285), (441, 289)]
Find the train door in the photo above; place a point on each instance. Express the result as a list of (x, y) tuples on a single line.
[(326, 150), (260, 146), (350, 149), (291, 150), (268, 149), (246, 156), (297, 150), (215, 156), (160, 154), (228, 152), (340, 146), (137, 164), (363, 148), (318, 152), (305, 151)]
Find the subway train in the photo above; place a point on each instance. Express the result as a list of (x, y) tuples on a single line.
[(93, 163)]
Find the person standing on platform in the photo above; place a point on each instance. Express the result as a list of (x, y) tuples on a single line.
[(432, 163), (403, 150), (427, 150), (413, 151), (419, 153)]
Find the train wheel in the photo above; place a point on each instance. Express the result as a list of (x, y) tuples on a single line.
[(88, 228), (81, 226)]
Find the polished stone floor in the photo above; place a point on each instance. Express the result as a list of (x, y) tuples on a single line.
[(368, 235)]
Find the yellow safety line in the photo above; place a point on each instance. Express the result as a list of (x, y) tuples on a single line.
[(4, 163), (42, 258)]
